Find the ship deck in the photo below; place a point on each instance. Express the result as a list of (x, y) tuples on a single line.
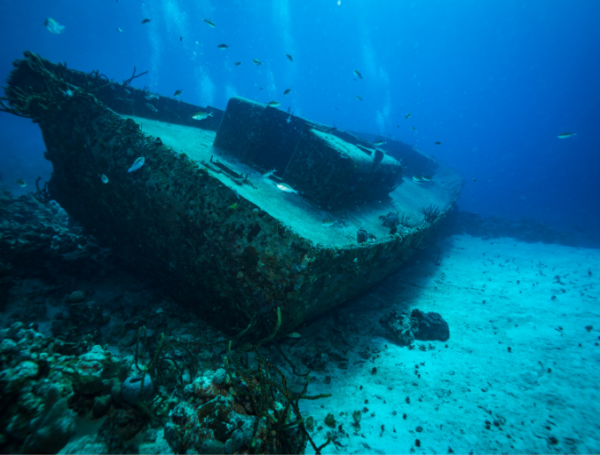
[(297, 213)]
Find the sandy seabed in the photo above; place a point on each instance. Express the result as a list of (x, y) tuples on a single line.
[(519, 374)]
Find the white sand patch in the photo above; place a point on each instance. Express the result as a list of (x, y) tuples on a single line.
[(495, 295)]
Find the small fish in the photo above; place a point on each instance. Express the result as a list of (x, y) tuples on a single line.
[(181, 39), (286, 188), (437, 143), (412, 128), (138, 163), (274, 104), (426, 178), (211, 23), (379, 143), (475, 180), (201, 115), (128, 92), (565, 135), (68, 92), (358, 74), (145, 21), (329, 222), (22, 183), (53, 26), (266, 175), (152, 108), (293, 335), (119, 30), (287, 90), (233, 206), (289, 119), (104, 178), (257, 62), (178, 92), (407, 116), (237, 63), (417, 179), (358, 98), (289, 57), (223, 46), (151, 96)]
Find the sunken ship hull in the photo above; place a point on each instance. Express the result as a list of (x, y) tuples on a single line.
[(200, 218)]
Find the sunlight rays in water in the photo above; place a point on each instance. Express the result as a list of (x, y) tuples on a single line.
[(271, 87), (205, 87), (383, 116), (282, 20), (156, 46), (176, 18), (381, 80)]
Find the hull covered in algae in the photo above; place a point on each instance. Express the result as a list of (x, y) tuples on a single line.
[(200, 218)]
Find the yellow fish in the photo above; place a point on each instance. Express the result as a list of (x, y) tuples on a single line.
[(565, 135), (53, 26), (201, 115)]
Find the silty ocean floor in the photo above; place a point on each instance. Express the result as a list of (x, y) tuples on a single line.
[(517, 375)]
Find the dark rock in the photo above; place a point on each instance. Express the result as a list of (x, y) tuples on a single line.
[(101, 406), (76, 297), (235, 442), (431, 326), (212, 446), (129, 339), (404, 328), (41, 240), (317, 362), (399, 327), (123, 424)]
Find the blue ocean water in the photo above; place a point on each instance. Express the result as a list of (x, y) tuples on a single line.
[(495, 82)]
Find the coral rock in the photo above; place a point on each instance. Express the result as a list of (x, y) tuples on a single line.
[(76, 297)]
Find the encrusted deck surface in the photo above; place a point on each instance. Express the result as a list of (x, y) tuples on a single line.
[(299, 215)]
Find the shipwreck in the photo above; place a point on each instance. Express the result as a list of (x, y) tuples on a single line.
[(249, 249)]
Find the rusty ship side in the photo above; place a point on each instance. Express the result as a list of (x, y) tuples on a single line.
[(200, 216)]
